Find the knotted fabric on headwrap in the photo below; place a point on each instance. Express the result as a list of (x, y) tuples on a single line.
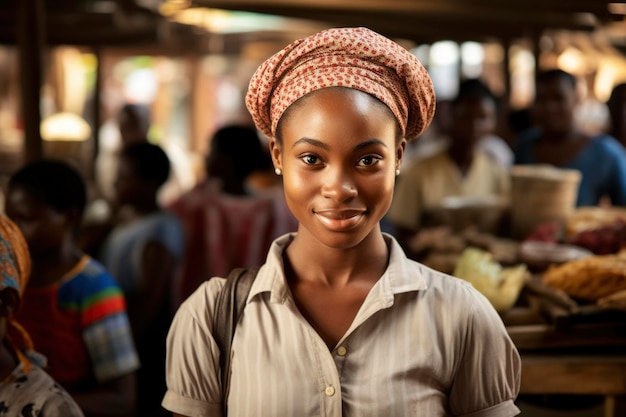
[(14, 274), (345, 57)]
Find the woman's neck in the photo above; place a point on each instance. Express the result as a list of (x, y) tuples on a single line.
[(308, 259)]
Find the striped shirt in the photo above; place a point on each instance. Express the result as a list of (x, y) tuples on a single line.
[(224, 231), (423, 343)]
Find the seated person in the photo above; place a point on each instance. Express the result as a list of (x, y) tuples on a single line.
[(26, 389), (557, 141), (461, 169), (72, 307)]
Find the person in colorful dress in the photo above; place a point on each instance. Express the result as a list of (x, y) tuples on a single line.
[(73, 308), (25, 388), (339, 322)]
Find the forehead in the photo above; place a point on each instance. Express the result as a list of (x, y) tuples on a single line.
[(334, 105)]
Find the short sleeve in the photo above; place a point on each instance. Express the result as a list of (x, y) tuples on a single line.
[(106, 329), (192, 363), (488, 376), (406, 208)]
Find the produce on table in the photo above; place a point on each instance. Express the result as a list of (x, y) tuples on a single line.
[(590, 278), (501, 286)]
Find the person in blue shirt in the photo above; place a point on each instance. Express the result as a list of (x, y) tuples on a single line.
[(556, 140)]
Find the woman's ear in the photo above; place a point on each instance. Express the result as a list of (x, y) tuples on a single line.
[(276, 153), (400, 148)]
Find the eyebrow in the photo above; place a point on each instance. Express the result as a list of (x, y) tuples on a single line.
[(322, 145)]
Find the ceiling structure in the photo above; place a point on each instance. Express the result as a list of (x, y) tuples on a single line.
[(426, 21), (126, 22)]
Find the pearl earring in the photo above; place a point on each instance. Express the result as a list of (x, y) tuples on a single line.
[(278, 171), (397, 172)]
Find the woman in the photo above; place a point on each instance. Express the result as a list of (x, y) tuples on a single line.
[(25, 388), (338, 321)]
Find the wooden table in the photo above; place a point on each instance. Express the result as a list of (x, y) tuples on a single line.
[(575, 350), (589, 374)]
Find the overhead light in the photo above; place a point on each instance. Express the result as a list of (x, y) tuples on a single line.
[(617, 8), (573, 61), (221, 21), (66, 127)]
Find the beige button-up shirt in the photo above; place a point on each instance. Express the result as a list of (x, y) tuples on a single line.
[(422, 344)]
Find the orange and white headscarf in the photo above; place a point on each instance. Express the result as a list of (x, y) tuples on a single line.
[(343, 57), (14, 274)]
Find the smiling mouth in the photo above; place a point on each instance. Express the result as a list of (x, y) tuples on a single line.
[(340, 219)]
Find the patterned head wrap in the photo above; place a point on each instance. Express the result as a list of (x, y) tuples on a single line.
[(345, 57), (14, 274)]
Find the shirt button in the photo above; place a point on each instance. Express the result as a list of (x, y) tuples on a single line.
[(330, 391), (341, 351)]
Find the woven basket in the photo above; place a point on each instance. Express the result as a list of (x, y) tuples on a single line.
[(539, 194)]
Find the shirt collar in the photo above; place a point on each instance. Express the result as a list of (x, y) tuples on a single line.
[(402, 274)]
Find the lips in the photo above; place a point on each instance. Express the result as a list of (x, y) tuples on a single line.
[(340, 220)]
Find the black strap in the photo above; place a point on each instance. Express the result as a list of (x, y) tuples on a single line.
[(230, 304)]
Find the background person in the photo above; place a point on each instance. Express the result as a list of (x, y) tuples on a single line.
[(25, 388), (557, 140), (73, 308)]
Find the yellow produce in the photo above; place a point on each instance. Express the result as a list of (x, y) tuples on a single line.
[(501, 286)]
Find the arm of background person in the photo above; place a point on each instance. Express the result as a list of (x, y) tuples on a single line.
[(157, 269), (114, 398)]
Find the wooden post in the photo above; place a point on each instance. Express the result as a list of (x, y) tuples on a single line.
[(31, 41), (97, 107), (506, 63)]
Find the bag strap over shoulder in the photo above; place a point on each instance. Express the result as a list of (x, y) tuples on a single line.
[(229, 308)]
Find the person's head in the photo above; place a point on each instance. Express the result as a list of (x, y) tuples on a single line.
[(46, 199), (14, 275), (134, 121), (617, 111), (142, 170), (474, 112), (339, 107), (235, 152), (555, 101)]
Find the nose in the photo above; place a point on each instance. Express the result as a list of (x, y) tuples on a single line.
[(339, 185)]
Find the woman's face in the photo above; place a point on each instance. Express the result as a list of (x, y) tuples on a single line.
[(338, 156)]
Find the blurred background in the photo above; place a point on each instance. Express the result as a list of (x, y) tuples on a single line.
[(67, 66)]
